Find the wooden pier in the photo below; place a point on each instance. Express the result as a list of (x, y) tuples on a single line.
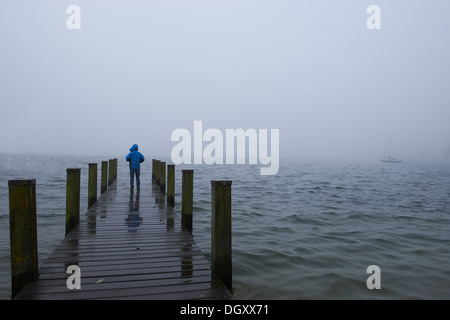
[(130, 244)]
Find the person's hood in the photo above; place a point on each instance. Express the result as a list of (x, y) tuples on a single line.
[(134, 147)]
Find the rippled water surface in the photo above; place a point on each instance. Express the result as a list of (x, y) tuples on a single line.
[(309, 232)]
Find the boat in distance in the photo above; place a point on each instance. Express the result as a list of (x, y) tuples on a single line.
[(391, 159)]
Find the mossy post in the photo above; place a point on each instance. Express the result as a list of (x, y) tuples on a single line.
[(92, 184), (221, 230), (115, 169), (23, 233), (162, 177), (72, 198), (158, 172), (111, 172), (153, 169), (104, 183), (171, 184), (187, 194)]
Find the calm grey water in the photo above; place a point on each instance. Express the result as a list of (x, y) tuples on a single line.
[(309, 232)]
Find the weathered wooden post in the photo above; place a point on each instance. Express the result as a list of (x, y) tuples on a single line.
[(115, 169), (187, 193), (221, 230), (162, 177), (171, 184), (158, 172), (111, 172), (92, 184), (72, 198), (23, 233), (104, 183), (153, 169)]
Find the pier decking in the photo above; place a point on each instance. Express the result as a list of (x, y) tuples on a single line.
[(129, 245)]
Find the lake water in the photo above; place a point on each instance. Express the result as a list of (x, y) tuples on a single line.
[(309, 232)]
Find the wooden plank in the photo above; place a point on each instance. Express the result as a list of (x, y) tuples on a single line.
[(111, 284), (129, 276), (127, 254), (114, 263)]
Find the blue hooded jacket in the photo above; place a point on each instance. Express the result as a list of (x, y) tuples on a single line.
[(135, 158)]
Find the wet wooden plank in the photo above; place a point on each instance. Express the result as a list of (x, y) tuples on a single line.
[(177, 291), (128, 247)]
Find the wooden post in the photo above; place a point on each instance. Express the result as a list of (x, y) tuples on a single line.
[(187, 187), (171, 184), (153, 169), (111, 168), (221, 230), (162, 177), (92, 184), (111, 172), (23, 233), (115, 169), (72, 198), (104, 183), (158, 172)]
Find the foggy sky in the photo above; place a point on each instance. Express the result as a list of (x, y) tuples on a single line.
[(138, 70)]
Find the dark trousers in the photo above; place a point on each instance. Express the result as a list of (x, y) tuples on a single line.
[(138, 180)]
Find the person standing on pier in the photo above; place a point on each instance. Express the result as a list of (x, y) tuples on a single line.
[(135, 158)]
